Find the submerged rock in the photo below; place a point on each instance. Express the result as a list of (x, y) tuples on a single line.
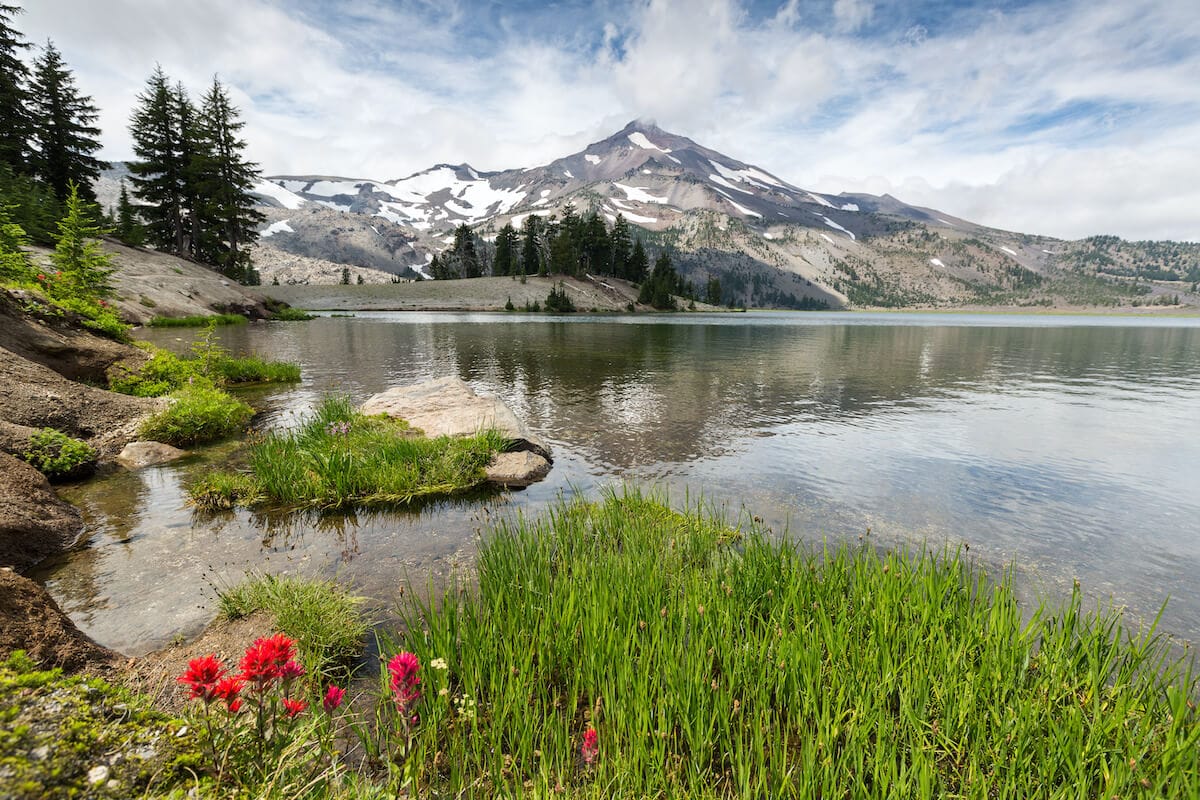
[(137, 455), (449, 407), (34, 522)]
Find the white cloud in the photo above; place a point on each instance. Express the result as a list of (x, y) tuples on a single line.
[(1061, 118), (850, 15)]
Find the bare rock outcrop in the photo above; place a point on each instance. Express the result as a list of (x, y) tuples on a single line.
[(137, 455), (34, 523), (30, 620), (449, 407)]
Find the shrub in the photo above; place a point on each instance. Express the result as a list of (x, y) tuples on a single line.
[(289, 314), (165, 372), (199, 412), (196, 321), (59, 456)]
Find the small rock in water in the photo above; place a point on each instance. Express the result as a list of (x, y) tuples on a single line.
[(97, 774)]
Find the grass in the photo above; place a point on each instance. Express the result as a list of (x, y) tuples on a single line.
[(199, 412), (327, 624), (340, 458), (196, 321), (290, 314), (165, 372), (713, 668)]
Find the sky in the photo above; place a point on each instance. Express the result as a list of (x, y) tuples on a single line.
[(1059, 117)]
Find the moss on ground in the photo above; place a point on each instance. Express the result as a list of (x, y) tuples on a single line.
[(80, 737)]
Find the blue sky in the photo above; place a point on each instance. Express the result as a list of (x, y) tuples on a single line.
[(1065, 118)]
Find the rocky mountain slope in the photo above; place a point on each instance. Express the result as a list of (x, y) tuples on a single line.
[(769, 242)]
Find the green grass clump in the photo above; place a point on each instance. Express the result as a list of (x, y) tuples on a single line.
[(164, 372), (196, 321), (224, 491), (712, 668), (59, 456), (290, 314), (327, 624), (199, 412), (340, 458), (252, 369)]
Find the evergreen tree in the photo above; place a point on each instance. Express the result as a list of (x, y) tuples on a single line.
[(596, 247), (64, 136), (14, 262), (531, 261), (345, 276), (639, 264), (35, 208), (84, 267), (567, 240), (621, 248), (712, 292), (225, 182), (659, 288), (194, 162), (14, 113), (463, 257), (159, 175), (128, 228), (505, 262)]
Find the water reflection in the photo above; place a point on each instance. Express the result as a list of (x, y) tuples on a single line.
[(1072, 449)]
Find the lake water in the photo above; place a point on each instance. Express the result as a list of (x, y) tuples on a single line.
[(1067, 447)]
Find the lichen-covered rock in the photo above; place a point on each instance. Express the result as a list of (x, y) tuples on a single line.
[(137, 455), (515, 470), (34, 522), (82, 738), (449, 407)]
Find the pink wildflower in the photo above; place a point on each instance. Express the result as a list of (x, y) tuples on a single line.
[(293, 707), (405, 682), (333, 699), (264, 660), (290, 671), (591, 746)]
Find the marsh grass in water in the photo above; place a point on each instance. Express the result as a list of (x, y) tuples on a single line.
[(710, 667), (340, 458), (199, 412), (165, 372), (196, 321)]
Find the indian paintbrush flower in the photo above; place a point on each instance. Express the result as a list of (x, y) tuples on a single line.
[(293, 707), (333, 699), (202, 676), (591, 746)]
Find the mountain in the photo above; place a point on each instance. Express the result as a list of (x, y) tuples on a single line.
[(768, 242)]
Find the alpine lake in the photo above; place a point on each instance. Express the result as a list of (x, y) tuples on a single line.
[(1064, 448)]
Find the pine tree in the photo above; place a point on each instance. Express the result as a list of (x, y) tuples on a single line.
[(663, 283), (505, 262), (128, 229), (14, 262), (639, 264), (158, 176), (226, 180), (596, 247), (84, 267), (531, 261), (463, 258), (193, 158), (64, 136), (712, 292), (14, 113), (621, 247)]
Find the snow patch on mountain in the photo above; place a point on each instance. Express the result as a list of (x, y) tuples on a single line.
[(850, 207), (276, 227), (279, 194), (639, 139), (937, 262), (818, 199), (833, 224), (567, 172), (717, 179), (827, 238), (639, 195), (1010, 252), (591, 159), (749, 175)]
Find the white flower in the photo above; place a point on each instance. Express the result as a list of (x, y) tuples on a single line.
[(439, 663)]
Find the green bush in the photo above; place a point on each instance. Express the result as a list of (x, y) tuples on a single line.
[(289, 314), (59, 456), (199, 412), (196, 321)]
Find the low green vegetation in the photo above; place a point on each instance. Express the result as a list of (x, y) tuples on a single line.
[(80, 737), (340, 458), (713, 668), (59, 456), (165, 372), (327, 624), (289, 314), (199, 412), (197, 321)]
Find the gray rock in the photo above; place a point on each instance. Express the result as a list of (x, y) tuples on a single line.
[(97, 774), (136, 455), (34, 522), (449, 407), (518, 469)]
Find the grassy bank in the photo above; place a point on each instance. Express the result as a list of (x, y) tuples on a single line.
[(196, 321), (340, 458), (715, 669)]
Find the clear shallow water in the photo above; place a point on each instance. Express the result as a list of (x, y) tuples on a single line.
[(1068, 447)]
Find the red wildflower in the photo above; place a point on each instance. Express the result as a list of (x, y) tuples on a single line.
[(290, 671), (333, 699), (404, 668), (591, 746), (264, 660), (202, 675), (293, 707), (228, 689), (41, 277)]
